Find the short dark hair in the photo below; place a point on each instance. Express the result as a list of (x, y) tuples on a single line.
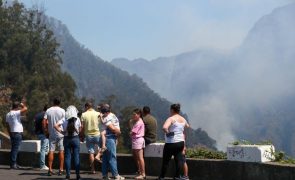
[(15, 104), (45, 107), (88, 104), (105, 108), (137, 111), (146, 110), (56, 101), (175, 107)]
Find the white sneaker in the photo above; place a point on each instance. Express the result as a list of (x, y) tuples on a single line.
[(44, 168), (119, 177)]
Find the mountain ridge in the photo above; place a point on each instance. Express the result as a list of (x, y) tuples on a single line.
[(225, 92), (101, 81)]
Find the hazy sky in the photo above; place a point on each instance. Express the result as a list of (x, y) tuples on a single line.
[(151, 29)]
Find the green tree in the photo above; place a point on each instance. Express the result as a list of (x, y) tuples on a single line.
[(30, 61)]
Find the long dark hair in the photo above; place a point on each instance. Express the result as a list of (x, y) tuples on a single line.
[(71, 126)]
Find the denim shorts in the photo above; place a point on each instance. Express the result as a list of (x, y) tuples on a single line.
[(56, 142), (91, 141)]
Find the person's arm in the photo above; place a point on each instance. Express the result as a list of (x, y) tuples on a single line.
[(8, 128), (80, 126), (45, 126), (166, 125), (114, 129), (82, 133), (57, 126), (23, 109), (187, 125)]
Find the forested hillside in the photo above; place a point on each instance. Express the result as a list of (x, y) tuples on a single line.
[(30, 63)]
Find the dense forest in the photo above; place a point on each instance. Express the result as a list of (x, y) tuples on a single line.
[(39, 59), (30, 63)]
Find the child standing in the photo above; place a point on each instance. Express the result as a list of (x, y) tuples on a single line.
[(138, 143)]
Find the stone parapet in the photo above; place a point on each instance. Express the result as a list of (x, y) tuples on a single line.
[(4, 141), (199, 169), (35, 145), (154, 150), (250, 153)]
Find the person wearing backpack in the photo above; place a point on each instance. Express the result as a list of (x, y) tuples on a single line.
[(71, 127)]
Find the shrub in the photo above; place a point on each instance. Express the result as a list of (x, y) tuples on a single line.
[(204, 153)]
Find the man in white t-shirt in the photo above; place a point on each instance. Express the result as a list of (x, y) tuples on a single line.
[(51, 117), (15, 129)]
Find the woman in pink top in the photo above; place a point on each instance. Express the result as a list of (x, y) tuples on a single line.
[(138, 144)]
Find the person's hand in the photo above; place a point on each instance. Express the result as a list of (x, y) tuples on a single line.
[(184, 150), (82, 137), (103, 147), (118, 133), (170, 134)]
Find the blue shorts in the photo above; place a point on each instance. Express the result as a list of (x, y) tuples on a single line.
[(91, 141)]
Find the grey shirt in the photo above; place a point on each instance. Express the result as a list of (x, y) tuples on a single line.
[(53, 115)]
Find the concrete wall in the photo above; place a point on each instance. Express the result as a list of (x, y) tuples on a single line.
[(4, 141), (198, 169)]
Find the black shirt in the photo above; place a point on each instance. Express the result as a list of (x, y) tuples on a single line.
[(38, 123)]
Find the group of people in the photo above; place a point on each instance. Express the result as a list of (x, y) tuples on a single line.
[(63, 130)]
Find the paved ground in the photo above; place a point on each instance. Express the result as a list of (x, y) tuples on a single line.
[(26, 173)]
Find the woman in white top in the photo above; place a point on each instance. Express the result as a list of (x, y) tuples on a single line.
[(174, 140)]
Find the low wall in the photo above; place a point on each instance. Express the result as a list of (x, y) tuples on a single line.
[(4, 141), (198, 169), (250, 153)]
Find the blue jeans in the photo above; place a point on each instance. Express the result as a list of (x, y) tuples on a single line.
[(109, 159), (15, 139), (44, 148), (72, 145)]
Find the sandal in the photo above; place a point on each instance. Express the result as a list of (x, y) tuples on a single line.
[(98, 159), (140, 177), (50, 173), (60, 173)]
